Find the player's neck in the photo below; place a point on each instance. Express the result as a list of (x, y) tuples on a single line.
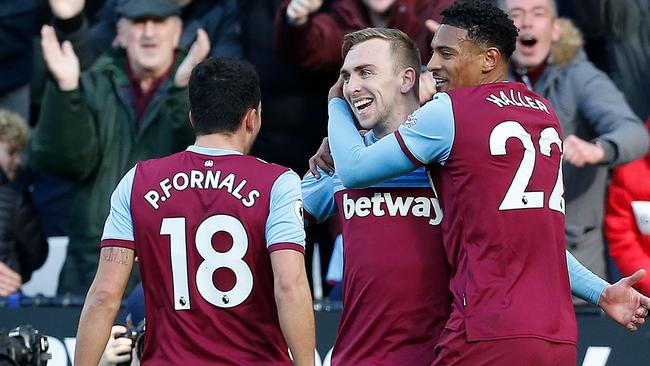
[(233, 142), (401, 111), (496, 76)]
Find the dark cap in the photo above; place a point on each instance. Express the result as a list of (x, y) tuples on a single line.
[(136, 9)]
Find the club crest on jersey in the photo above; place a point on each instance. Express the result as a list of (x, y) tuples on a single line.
[(382, 204), (208, 163), (411, 120)]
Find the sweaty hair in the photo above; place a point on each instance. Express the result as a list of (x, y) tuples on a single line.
[(401, 46), (222, 90), (485, 24), (13, 130)]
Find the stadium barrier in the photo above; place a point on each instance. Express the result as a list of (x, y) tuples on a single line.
[(601, 341)]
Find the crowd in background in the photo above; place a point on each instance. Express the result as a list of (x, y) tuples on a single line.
[(103, 85)]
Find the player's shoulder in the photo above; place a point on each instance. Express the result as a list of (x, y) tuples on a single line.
[(264, 167)]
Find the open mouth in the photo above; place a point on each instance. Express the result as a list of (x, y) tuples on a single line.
[(149, 46), (440, 82), (362, 104), (528, 41)]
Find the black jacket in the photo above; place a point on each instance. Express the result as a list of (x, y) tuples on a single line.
[(23, 246)]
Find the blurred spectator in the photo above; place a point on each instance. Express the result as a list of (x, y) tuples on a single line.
[(23, 247), (17, 27), (319, 34), (600, 129), (95, 125), (313, 39), (627, 218), (622, 28), (217, 17), (295, 112)]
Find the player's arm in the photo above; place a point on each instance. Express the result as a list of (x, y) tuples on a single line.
[(293, 300), (285, 238), (102, 304), (318, 197), (428, 139), (115, 264), (619, 301)]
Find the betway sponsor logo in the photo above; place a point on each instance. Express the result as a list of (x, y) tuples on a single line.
[(382, 204)]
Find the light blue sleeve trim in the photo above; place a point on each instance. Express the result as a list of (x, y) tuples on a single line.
[(318, 195), (285, 223), (584, 283), (119, 224), (429, 132), (357, 165)]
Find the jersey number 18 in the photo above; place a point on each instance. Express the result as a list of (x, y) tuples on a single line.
[(212, 260)]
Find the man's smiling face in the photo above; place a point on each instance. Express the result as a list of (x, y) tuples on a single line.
[(371, 83)]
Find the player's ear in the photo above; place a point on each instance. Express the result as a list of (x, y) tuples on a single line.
[(249, 119), (409, 78), (491, 59), (191, 118)]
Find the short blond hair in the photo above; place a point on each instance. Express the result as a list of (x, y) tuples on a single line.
[(402, 47), (13, 129)]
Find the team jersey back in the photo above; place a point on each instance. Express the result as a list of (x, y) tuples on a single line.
[(501, 189), (199, 226), (395, 273)]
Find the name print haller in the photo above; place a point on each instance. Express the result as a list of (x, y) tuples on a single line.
[(516, 99)]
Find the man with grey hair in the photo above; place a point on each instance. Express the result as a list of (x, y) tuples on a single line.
[(601, 131), (95, 125)]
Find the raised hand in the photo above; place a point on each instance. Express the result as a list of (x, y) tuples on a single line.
[(624, 304), (579, 152), (336, 91), (322, 159), (66, 9), (298, 11), (60, 59), (10, 280), (198, 52)]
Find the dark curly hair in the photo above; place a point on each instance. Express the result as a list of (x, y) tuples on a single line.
[(485, 24)]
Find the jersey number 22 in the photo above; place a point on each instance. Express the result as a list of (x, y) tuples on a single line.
[(517, 197)]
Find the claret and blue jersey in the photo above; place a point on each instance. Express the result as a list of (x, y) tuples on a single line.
[(395, 274), (495, 151), (202, 223)]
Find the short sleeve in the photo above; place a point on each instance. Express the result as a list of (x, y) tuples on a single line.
[(285, 223), (118, 229)]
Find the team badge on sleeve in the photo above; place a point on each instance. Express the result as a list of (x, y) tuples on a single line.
[(297, 208)]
